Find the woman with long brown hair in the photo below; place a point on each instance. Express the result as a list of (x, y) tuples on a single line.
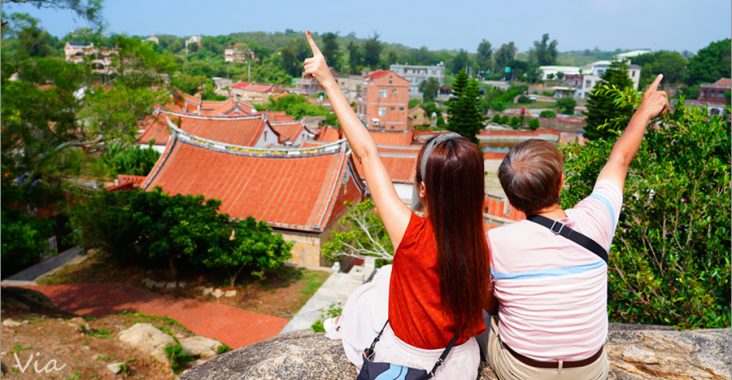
[(439, 283)]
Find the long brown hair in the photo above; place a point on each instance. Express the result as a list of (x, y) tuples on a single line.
[(454, 197)]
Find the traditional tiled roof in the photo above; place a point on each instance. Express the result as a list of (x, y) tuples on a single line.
[(228, 107), (256, 87), (296, 189), (392, 138), (329, 134), (723, 83), (278, 116), (499, 210), (538, 132), (494, 155), (154, 130), (289, 131), (231, 130)]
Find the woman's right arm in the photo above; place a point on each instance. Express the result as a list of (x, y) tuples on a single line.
[(394, 213)]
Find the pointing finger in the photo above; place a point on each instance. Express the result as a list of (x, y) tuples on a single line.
[(654, 85), (313, 46)]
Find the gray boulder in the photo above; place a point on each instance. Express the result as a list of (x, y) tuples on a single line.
[(636, 352), (148, 339)]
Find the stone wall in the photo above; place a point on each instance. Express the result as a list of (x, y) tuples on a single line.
[(636, 352)]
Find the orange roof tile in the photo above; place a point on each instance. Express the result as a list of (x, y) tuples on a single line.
[(392, 138), (298, 191), (155, 130), (231, 130), (329, 134), (501, 210), (288, 131), (494, 155), (278, 116)]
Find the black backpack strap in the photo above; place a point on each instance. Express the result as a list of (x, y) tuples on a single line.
[(577, 237), (443, 356), (369, 352)]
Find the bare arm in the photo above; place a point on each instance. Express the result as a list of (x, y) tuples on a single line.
[(654, 103), (392, 210)]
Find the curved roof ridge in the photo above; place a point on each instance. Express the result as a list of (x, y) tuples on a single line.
[(183, 136), (209, 117)]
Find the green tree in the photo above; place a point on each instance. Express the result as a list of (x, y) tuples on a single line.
[(355, 57), (293, 55), (331, 50), (90, 10), (29, 38), (120, 159), (463, 108), (602, 111), (429, 89), (669, 63), (566, 105), (460, 62), (710, 63), (544, 52), (484, 55), (670, 259), (504, 55), (372, 51), (362, 234)]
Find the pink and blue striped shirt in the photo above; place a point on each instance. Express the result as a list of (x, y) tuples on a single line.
[(553, 292)]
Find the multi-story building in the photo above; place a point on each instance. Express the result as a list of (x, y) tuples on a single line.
[(712, 97), (239, 53), (254, 92), (100, 59), (592, 73), (384, 101), (418, 74)]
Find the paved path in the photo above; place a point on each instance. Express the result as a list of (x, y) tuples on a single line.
[(228, 324), (48, 265)]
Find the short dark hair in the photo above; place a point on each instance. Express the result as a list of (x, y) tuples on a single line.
[(531, 174)]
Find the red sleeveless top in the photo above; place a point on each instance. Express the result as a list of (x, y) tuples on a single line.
[(415, 309)]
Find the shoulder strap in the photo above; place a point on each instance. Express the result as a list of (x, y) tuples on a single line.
[(378, 337), (444, 354), (575, 236)]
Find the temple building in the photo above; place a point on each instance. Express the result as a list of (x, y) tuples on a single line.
[(300, 193)]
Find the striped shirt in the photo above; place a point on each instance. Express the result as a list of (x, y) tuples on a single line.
[(552, 291)]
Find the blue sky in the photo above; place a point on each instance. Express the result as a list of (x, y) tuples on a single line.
[(576, 24)]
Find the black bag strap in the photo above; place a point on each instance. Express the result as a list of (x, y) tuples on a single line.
[(439, 362), (561, 229)]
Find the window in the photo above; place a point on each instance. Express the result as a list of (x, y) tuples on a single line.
[(401, 108), (588, 83), (382, 111), (392, 109), (382, 93), (393, 91)]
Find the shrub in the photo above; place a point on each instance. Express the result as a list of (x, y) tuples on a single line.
[(496, 118), (505, 119), (670, 261), (129, 160), (534, 124), (566, 105), (548, 114), (523, 99), (24, 240), (333, 310), (156, 229)]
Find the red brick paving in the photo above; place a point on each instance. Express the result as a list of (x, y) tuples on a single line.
[(233, 326)]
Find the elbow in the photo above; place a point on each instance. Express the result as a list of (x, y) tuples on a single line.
[(365, 153)]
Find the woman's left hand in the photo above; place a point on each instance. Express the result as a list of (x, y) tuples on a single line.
[(316, 66)]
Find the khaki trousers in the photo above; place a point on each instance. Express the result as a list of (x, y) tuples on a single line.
[(506, 366)]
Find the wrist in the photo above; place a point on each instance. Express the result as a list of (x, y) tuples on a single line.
[(328, 83)]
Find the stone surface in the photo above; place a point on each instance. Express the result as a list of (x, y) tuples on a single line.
[(115, 368), (200, 346), (636, 352), (11, 323), (148, 339), (217, 293), (230, 293), (79, 323)]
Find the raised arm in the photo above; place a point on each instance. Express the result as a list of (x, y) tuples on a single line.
[(392, 210), (654, 103)]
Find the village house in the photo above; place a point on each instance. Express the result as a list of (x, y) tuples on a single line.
[(101, 59), (579, 82), (300, 193), (239, 53), (384, 101), (416, 74), (712, 97), (254, 93), (418, 117)]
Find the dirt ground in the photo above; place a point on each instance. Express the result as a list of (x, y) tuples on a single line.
[(48, 340), (282, 293)]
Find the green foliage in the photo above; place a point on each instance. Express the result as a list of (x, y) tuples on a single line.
[(504, 55), (155, 229), (222, 349), (483, 56), (669, 63), (671, 261), (177, 358), (298, 106), (496, 118), (355, 57), (372, 48), (463, 108), (134, 160), (333, 310), (90, 10), (544, 52), (460, 62), (496, 99), (534, 124), (566, 105), (710, 63), (99, 333), (24, 239), (548, 114), (331, 50), (523, 99), (605, 117), (429, 89), (363, 234)]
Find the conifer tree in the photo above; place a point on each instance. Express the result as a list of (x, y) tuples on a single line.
[(463, 108), (602, 112)]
